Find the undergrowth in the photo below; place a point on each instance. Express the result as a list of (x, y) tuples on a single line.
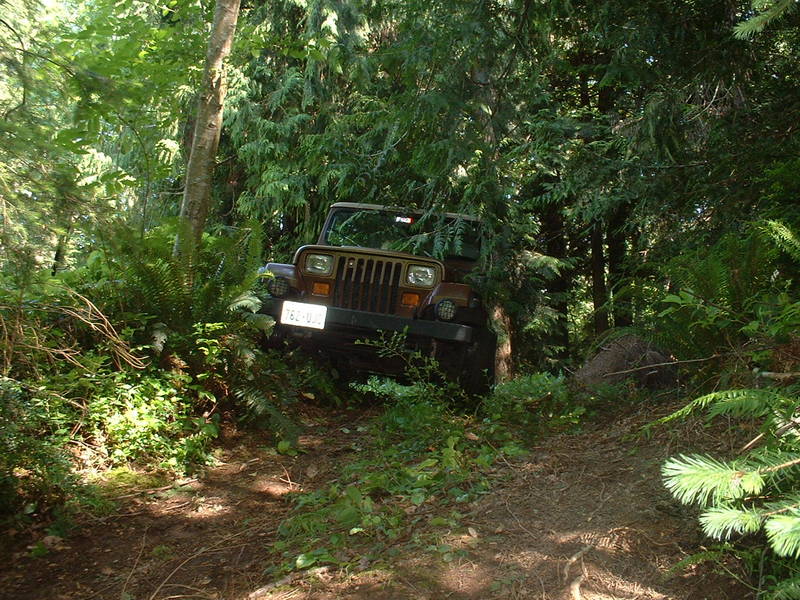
[(133, 359), (740, 301), (425, 464)]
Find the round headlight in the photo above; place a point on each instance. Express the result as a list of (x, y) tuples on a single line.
[(445, 310), (278, 286), (421, 276), (319, 264)]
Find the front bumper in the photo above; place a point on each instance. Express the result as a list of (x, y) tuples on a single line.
[(360, 324)]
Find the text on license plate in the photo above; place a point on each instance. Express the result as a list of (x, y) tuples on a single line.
[(303, 315)]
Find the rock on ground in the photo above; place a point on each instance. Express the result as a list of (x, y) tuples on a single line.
[(628, 357)]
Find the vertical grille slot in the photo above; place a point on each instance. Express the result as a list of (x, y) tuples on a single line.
[(367, 284)]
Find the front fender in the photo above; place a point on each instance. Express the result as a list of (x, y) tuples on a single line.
[(288, 272)]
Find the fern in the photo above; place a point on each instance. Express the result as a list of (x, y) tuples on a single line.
[(789, 589), (698, 558), (265, 409), (742, 403), (770, 11), (245, 301), (259, 322), (688, 410), (720, 291), (783, 237)]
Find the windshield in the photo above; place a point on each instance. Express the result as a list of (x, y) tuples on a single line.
[(450, 237)]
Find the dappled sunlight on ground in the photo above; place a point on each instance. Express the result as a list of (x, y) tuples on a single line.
[(584, 518), (581, 517)]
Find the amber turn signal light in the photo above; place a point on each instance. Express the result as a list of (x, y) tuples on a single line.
[(409, 300), (321, 289)]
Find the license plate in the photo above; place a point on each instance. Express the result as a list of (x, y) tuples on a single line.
[(303, 315)]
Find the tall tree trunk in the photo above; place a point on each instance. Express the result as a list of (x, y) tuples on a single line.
[(553, 229), (199, 171), (617, 272), (502, 321), (504, 363), (599, 292)]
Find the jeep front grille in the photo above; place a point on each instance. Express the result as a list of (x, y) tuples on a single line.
[(367, 284)]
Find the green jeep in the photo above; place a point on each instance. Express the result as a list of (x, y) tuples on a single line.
[(373, 270)]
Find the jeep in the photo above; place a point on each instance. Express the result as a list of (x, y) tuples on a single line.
[(384, 269)]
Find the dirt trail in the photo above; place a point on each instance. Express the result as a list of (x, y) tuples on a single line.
[(583, 517)]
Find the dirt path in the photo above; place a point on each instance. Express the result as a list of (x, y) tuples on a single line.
[(583, 517)]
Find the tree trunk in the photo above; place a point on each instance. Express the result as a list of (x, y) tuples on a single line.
[(199, 171), (599, 293), (617, 271), (504, 364), (553, 229)]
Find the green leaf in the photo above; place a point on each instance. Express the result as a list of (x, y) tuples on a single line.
[(418, 497), (353, 494), (742, 403), (285, 447), (305, 560)]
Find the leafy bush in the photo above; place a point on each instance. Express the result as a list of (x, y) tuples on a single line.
[(148, 418), (132, 358), (735, 300), (532, 403), (35, 472)]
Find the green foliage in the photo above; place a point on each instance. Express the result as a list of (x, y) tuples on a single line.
[(423, 373), (703, 480), (550, 120), (35, 473), (181, 290), (533, 403), (148, 418), (196, 333), (767, 11), (756, 492), (783, 237), (420, 453), (735, 299)]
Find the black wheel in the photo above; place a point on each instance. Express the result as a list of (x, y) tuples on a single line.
[(478, 374), (471, 365)]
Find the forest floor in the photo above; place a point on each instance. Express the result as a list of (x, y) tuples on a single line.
[(581, 516)]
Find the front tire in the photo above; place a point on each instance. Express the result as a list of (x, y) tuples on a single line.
[(471, 366)]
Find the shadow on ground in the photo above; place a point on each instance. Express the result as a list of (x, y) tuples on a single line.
[(582, 517)]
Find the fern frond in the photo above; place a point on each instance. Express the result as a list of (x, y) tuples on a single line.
[(756, 24), (246, 301), (783, 237), (788, 589), (693, 406), (723, 521), (699, 479), (259, 321), (698, 558), (742, 403), (260, 407)]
